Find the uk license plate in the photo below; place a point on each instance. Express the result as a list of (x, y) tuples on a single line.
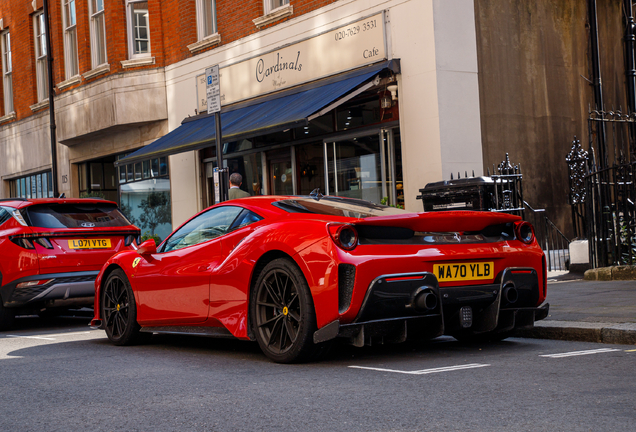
[(89, 244), (451, 272)]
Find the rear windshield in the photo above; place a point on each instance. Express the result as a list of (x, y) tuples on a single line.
[(334, 206), (5, 214), (76, 216)]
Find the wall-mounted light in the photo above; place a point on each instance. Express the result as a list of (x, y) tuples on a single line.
[(393, 89), (385, 100)]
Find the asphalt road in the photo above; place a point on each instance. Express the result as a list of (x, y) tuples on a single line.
[(62, 376)]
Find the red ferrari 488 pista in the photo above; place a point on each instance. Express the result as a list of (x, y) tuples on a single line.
[(294, 273)]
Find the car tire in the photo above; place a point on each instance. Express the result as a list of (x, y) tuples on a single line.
[(7, 317), (119, 311), (282, 314)]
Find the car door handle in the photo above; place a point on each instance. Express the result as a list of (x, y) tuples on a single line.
[(203, 268)]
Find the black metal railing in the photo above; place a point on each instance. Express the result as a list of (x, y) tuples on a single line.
[(554, 243), (602, 190), (611, 220)]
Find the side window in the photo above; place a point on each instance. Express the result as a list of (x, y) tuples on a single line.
[(5, 215), (206, 226), (244, 219)]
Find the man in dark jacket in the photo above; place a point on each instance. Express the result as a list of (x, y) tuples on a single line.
[(235, 191)]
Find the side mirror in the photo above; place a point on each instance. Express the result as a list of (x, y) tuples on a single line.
[(148, 247)]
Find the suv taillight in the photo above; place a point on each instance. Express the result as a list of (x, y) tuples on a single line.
[(23, 242)]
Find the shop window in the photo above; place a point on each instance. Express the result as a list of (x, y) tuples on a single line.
[(98, 179), (237, 146), (144, 196), (163, 166), (250, 168), (146, 204), (70, 38), (40, 57), (146, 169), (354, 168), (281, 172), (7, 72), (138, 28), (360, 113), (206, 18), (98, 33), (33, 186), (282, 137), (311, 167), (319, 126)]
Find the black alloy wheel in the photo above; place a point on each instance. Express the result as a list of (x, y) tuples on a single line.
[(119, 311), (282, 311)]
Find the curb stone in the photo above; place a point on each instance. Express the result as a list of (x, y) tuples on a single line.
[(610, 333), (625, 272)]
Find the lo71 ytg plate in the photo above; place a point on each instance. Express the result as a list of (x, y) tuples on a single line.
[(451, 272), (89, 244)]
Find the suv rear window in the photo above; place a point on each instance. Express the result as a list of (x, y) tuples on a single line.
[(75, 216), (5, 214)]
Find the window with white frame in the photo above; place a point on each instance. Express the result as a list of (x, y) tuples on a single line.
[(206, 12), (98, 33), (7, 69), (138, 28), (270, 5), (40, 57), (71, 64)]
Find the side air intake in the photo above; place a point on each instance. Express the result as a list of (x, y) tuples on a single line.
[(346, 279)]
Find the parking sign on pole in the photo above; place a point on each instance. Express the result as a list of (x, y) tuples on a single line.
[(213, 92)]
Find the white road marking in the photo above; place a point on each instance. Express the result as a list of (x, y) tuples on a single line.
[(425, 371), (580, 353), (30, 337), (50, 336)]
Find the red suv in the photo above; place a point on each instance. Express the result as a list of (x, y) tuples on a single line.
[(51, 250)]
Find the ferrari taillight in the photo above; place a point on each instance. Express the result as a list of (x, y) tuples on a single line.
[(524, 232), (344, 236)]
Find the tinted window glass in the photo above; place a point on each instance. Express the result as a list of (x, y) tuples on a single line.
[(337, 207), (245, 218), (204, 227), (5, 214), (76, 216)]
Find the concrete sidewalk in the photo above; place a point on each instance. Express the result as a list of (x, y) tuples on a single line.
[(590, 311)]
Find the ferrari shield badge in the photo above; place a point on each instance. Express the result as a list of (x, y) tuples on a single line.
[(136, 261)]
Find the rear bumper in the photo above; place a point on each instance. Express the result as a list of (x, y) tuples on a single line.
[(66, 288), (395, 309)]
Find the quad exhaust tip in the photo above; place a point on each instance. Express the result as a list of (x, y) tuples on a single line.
[(425, 300), (510, 293)]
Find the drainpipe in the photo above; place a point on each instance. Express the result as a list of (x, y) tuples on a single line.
[(49, 68), (630, 66), (596, 80)]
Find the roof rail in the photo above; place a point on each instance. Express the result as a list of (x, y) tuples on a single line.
[(13, 199)]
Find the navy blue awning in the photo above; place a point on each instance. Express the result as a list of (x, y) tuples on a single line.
[(265, 115)]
